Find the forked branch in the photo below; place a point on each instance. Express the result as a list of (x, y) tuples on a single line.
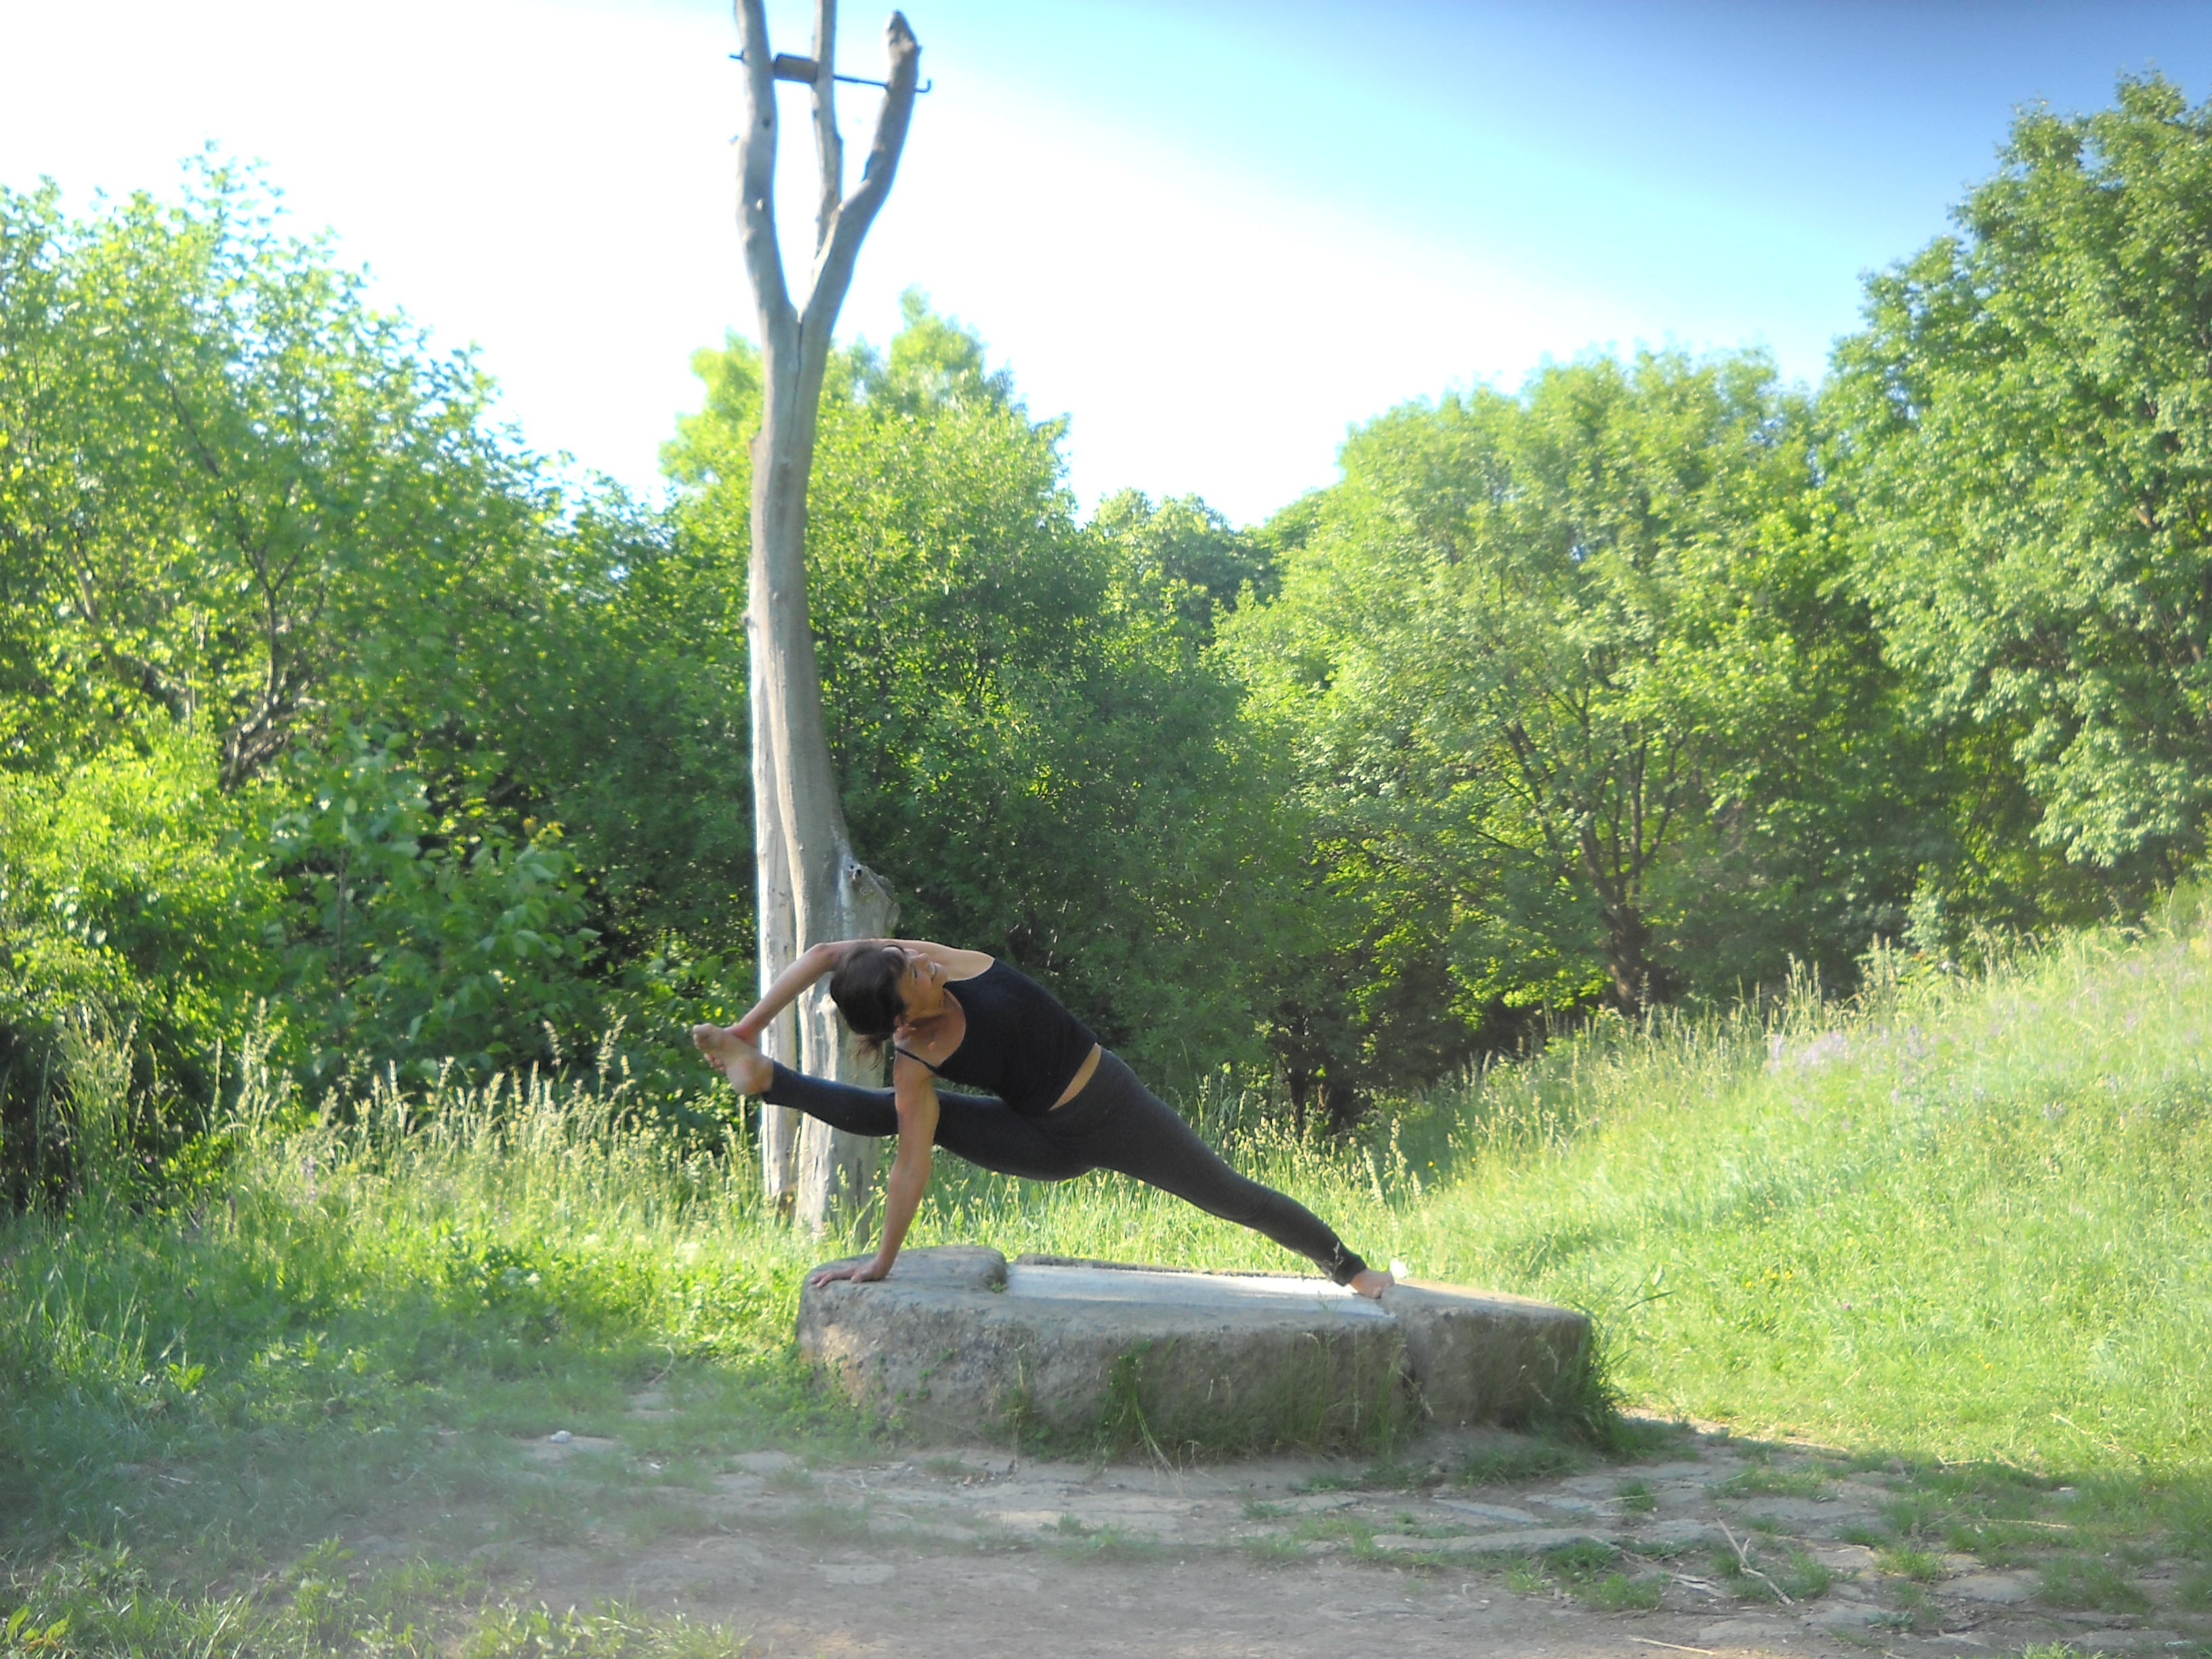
[(828, 148), (756, 180), (841, 221), (833, 264)]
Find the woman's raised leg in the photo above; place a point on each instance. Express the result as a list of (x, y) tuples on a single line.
[(981, 1128), (844, 1106), (841, 1105)]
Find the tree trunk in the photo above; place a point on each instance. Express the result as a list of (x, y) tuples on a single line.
[(775, 909), (1625, 962), (836, 1170), (809, 885)]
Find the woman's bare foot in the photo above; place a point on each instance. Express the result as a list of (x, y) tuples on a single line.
[(747, 1068), (1371, 1282)]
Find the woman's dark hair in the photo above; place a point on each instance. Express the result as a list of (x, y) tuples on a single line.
[(865, 987)]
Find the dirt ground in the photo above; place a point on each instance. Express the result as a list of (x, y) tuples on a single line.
[(972, 1555)]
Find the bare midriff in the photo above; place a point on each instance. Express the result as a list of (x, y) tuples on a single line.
[(1084, 1073)]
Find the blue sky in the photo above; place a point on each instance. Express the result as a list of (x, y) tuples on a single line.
[(1213, 233)]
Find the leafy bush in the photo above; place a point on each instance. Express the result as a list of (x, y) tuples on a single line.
[(135, 937), (424, 949)]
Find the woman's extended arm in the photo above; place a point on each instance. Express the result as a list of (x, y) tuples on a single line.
[(816, 960), (914, 1095)]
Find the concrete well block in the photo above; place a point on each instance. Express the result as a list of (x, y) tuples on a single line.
[(1486, 1356), (956, 1344)]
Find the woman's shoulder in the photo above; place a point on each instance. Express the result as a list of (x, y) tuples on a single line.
[(958, 964)]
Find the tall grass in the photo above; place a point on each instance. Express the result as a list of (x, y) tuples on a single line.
[(363, 1308), (1964, 1219), (1960, 1219)]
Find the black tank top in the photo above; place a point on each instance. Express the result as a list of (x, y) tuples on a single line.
[(1020, 1044)]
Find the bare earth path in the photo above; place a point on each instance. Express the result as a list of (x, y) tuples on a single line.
[(976, 1554)]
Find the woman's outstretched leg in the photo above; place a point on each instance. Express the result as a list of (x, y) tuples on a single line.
[(981, 1128), (855, 1110), (1132, 1131), (742, 1062), (845, 1106)]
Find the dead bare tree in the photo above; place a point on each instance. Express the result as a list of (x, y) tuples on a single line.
[(810, 885)]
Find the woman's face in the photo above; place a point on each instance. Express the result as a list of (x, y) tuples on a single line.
[(922, 987)]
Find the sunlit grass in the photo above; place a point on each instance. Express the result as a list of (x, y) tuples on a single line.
[(1975, 1221), (372, 1308), (1965, 1220)]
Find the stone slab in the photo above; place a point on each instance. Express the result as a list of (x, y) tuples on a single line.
[(1804, 1512), (1744, 1632), (1833, 1615), (1484, 1356), (1846, 1558), (1487, 1543), (2111, 1640), (1683, 1532), (1161, 1287), (957, 1342), (1997, 1588), (1487, 1512)]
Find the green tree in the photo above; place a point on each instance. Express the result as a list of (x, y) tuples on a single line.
[(1183, 542), (1584, 716), (132, 909), (2026, 447), (600, 687), (229, 489), (413, 948), (243, 516)]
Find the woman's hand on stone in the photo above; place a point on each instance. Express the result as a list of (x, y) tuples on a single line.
[(867, 1272)]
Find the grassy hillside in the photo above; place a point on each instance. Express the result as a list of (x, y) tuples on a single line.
[(1971, 1221), (1974, 1223), (1967, 1218)]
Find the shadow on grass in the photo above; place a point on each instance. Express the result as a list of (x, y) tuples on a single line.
[(175, 1389)]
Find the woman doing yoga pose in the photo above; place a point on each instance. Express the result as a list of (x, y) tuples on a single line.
[(1058, 1104)]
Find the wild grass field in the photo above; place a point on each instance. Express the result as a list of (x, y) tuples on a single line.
[(1963, 1224)]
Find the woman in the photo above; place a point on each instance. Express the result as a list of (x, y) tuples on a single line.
[(1058, 1103)]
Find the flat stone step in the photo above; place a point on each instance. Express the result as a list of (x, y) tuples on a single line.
[(1163, 1287), (957, 1342)]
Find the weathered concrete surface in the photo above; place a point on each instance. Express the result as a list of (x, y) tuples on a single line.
[(1483, 1356), (954, 1343)]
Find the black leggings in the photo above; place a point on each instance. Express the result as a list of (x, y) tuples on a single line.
[(1115, 1123)]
